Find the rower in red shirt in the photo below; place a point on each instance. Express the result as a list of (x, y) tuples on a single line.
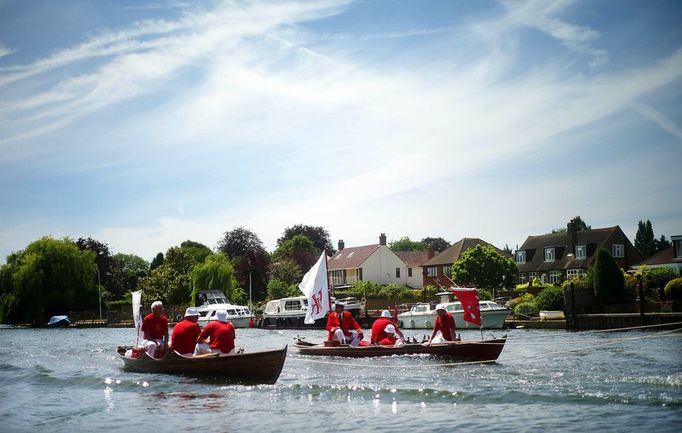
[(155, 328), (339, 324), (186, 333), (391, 338), (379, 328), (445, 323), (220, 335)]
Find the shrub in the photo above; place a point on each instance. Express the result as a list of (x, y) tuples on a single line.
[(485, 295), (526, 297), (673, 290), (526, 309), (608, 281), (551, 298)]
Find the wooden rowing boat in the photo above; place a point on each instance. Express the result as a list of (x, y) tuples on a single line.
[(469, 350), (249, 367)]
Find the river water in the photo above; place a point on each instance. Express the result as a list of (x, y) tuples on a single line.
[(70, 380)]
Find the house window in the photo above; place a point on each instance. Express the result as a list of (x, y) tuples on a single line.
[(554, 276), (522, 278), (338, 277), (618, 250), (397, 272), (580, 251), (409, 272), (532, 275), (431, 271), (520, 257), (549, 254), (359, 274), (678, 249), (575, 273), (447, 270)]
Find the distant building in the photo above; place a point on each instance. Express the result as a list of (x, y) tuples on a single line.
[(670, 257), (437, 270), (556, 256), (414, 260)]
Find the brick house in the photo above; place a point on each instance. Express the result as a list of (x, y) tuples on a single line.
[(554, 257), (437, 270), (670, 257)]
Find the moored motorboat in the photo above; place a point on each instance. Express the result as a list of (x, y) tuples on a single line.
[(247, 367), (290, 312), (58, 321), (214, 300), (463, 350), (552, 315)]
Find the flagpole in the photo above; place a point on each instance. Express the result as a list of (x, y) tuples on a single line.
[(329, 286)]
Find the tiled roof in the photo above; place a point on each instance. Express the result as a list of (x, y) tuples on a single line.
[(535, 249), (413, 259), (664, 257), (352, 257), (451, 255)]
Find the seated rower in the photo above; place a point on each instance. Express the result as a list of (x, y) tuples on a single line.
[(186, 332), (339, 325), (155, 329), (391, 338), (217, 337), (379, 326)]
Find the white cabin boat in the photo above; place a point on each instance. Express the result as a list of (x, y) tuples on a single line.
[(214, 300), (290, 312), (423, 315)]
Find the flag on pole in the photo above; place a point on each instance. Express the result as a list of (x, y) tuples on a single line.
[(137, 317), (469, 300), (315, 287)]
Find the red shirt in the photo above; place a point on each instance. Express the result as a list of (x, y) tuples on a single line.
[(184, 337), (388, 341), (345, 324), (221, 334), (378, 327), (155, 328), (444, 326)]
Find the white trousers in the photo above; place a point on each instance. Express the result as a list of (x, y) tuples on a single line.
[(151, 345), (341, 337), (203, 348)]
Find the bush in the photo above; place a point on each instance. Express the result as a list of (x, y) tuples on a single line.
[(485, 295), (608, 280), (526, 309), (526, 297), (551, 298), (673, 290)]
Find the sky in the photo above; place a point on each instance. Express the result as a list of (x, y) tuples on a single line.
[(145, 124)]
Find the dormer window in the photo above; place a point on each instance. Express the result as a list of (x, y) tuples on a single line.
[(520, 257), (580, 251), (549, 254), (618, 250)]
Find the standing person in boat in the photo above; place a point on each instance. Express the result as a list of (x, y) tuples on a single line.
[(445, 323), (339, 324), (155, 328), (379, 328), (186, 332), (220, 335)]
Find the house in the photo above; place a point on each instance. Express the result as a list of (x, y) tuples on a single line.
[(557, 256), (670, 257), (414, 261), (370, 263), (437, 270)]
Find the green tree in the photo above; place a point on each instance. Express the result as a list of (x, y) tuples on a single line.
[(645, 242), (285, 270), (299, 249), (279, 289), (248, 256), (662, 244), (127, 271), (436, 244), (579, 224), (318, 235), (405, 244), (171, 282), (198, 250), (106, 265), (156, 262), (49, 277), (214, 273), (607, 279), (484, 267)]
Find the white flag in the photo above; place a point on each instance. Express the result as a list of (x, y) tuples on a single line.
[(137, 317), (316, 288)]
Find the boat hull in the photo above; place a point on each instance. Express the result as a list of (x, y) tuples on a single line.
[(478, 351), (251, 367), (490, 319), (237, 322)]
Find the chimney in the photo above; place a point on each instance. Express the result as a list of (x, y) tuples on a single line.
[(430, 253), (572, 232), (382, 239), (341, 244)]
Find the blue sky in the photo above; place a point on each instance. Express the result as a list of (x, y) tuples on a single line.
[(144, 126)]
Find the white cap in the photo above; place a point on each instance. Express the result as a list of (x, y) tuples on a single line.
[(440, 307), (221, 315), (390, 329), (386, 313), (191, 311), (157, 304)]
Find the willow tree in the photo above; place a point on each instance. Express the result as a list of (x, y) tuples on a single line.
[(49, 277), (215, 273)]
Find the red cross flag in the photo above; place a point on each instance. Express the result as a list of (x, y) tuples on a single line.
[(469, 300), (315, 287)]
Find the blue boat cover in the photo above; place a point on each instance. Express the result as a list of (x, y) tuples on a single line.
[(58, 320)]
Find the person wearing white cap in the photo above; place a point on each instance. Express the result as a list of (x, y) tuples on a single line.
[(186, 332), (155, 328), (217, 337), (390, 339), (445, 324), (379, 328), (339, 323)]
